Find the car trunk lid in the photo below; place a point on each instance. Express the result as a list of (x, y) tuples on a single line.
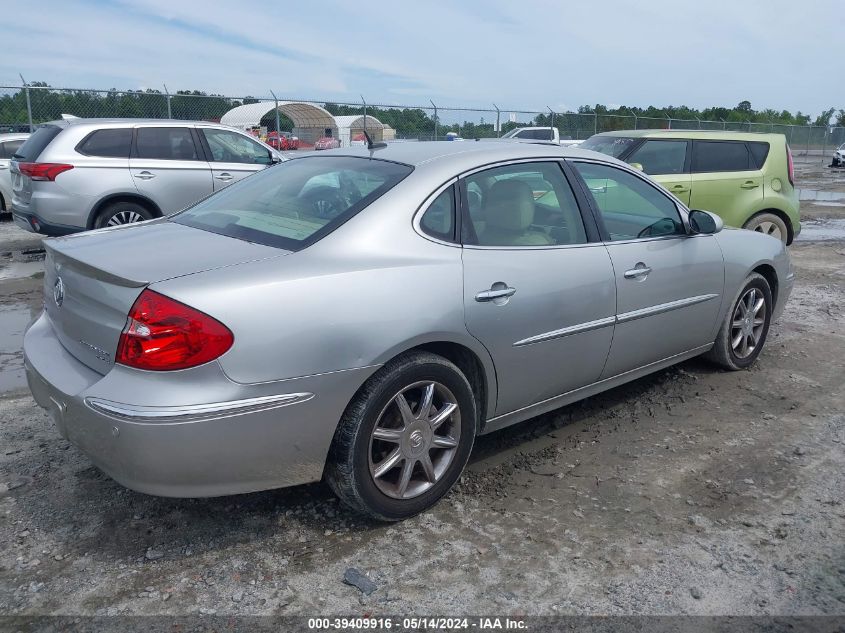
[(91, 280)]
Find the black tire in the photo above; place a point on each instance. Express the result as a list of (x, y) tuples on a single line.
[(770, 224), (348, 465), (114, 212), (723, 353)]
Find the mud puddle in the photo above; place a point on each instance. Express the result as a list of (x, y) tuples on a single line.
[(14, 320), (822, 231)]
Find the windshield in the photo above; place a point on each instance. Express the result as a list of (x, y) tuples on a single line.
[(611, 145), (295, 203)]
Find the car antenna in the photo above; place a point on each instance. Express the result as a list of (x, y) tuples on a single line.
[(370, 144)]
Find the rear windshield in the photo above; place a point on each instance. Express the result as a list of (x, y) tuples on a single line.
[(35, 144), (297, 202), (611, 145)]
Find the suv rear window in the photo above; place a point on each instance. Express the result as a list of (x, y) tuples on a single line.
[(295, 203), (712, 156), (110, 143), (759, 152), (35, 144)]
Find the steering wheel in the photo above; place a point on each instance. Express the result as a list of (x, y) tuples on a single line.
[(326, 202)]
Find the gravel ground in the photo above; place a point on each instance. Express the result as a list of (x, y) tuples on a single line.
[(691, 491)]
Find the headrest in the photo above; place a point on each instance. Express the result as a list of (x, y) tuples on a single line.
[(510, 205)]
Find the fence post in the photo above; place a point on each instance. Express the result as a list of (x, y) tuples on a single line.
[(552, 124), (699, 122), (595, 123), (435, 118), (276, 101), (167, 96), (364, 101), (28, 104), (498, 123), (635, 119)]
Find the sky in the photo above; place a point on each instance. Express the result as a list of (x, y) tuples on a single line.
[(530, 54)]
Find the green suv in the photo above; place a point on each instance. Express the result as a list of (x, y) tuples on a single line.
[(746, 178)]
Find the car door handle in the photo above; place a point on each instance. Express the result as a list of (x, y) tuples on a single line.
[(750, 184), (145, 175), (636, 273), (490, 295), (224, 176)]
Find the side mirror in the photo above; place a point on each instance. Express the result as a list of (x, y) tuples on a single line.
[(638, 166), (704, 222)]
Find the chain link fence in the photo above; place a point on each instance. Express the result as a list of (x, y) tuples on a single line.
[(23, 107)]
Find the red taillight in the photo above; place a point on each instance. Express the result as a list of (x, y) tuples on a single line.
[(162, 334), (790, 167), (43, 171)]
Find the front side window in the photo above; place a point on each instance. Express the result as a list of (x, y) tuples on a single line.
[(166, 143), (297, 202), (630, 207), (528, 204), (231, 147), (439, 219), (661, 157), (713, 156), (111, 143), (611, 145)]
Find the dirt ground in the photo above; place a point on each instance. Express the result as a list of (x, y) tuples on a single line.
[(691, 491)]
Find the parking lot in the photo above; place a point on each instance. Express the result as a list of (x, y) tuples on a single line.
[(689, 491)]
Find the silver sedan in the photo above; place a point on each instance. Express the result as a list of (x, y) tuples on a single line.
[(360, 316)]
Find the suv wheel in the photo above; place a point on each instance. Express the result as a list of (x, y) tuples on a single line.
[(746, 325), (405, 438), (118, 213), (770, 224)]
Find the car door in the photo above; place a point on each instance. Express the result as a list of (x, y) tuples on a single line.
[(667, 162), (168, 167), (233, 155), (669, 284), (539, 289), (725, 180)]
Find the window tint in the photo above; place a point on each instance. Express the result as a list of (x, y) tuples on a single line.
[(630, 207), (611, 145), (231, 147), (661, 157), (439, 219), (529, 204), (35, 144), (167, 143), (297, 202), (710, 156), (109, 143), (759, 153)]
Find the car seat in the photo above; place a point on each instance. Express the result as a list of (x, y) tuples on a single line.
[(509, 213)]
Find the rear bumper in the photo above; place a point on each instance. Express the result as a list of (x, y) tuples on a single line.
[(259, 437), (31, 222)]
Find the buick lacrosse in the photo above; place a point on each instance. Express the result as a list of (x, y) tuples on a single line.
[(361, 315)]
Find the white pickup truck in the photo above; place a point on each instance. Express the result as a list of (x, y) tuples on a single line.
[(550, 134)]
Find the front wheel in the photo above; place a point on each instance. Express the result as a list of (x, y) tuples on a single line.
[(405, 438), (770, 224), (746, 325)]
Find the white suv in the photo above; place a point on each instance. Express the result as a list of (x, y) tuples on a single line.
[(82, 174)]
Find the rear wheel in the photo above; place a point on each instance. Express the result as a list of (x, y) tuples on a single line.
[(405, 438), (743, 333), (118, 213), (770, 224)]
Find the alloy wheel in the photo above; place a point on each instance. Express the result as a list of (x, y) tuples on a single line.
[(125, 217), (769, 228), (414, 440), (748, 322)]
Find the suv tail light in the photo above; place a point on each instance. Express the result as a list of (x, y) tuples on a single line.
[(790, 166), (43, 171), (162, 334)]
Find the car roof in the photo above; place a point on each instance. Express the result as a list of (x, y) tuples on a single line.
[(484, 151), (116, 121), (13, 136), (693, 134)]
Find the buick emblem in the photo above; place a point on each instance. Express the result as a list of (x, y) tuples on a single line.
[(59, 291)]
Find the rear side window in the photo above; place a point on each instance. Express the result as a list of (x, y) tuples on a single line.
[(165, 143), (297, 202), (711, 156), (759, 153), (35, 144), (113, 143), (8, 148), (439, 219)]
